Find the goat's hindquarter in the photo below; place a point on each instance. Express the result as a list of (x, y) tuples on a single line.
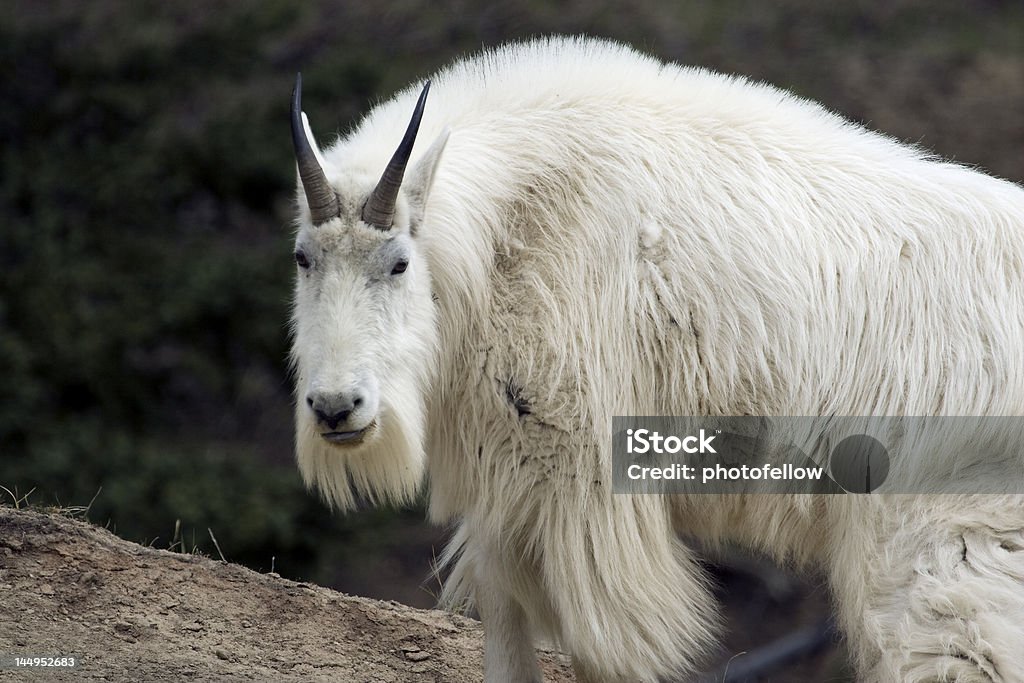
[(930, 587)]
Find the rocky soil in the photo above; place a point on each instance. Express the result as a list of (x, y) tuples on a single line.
[(131, 613)]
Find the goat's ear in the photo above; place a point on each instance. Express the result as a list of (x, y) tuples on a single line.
[(418, 185)]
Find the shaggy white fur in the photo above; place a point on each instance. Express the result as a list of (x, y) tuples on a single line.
[(610, 235)]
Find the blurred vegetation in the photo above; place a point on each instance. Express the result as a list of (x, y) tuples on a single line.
[(146, 183)]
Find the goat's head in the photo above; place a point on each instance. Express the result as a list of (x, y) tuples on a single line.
[(363, 320)]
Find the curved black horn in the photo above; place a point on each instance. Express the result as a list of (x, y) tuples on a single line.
[(323, 203), (379, 210)]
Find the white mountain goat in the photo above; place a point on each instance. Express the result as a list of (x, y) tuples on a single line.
[(603, 234)]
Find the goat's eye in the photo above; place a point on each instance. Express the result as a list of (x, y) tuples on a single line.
[(400, 267), (301, 260)]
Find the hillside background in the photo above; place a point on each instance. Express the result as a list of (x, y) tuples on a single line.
[(145, 243)]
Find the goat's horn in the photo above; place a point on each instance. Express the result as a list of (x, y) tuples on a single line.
[(323, 203), (379, 210)]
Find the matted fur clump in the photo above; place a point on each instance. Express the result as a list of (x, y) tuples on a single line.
[(583, 231)]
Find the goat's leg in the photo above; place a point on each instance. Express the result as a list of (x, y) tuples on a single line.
[(509, 655)]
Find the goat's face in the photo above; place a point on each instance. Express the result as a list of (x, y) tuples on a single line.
[(363, 328), (364, 331)]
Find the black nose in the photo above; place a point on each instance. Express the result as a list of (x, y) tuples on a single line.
[(332, 420), (332, 410)]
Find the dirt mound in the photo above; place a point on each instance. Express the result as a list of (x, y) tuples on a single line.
[(137, 614)]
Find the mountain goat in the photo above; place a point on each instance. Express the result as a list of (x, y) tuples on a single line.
[(603, 234)]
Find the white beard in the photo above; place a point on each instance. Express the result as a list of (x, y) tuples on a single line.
[(387, 469)]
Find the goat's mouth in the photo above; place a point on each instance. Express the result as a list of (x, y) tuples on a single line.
[(352, 438)]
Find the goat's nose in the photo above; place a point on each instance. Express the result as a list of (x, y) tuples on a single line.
[(333, 419), (333, 409)]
